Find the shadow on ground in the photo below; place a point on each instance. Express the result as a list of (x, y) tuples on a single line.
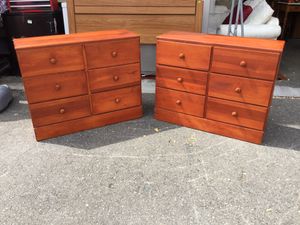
[(283, 129)]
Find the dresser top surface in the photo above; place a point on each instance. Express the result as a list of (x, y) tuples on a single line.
[(46, 41), (253, 43)]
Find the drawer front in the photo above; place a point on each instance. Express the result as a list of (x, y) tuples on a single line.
[(246, 63), (180, 101), (109, 101), (55, 86), (236, 113), (184, 55), (50, 60), (245, 90), (181, 79), (112, 53), (60, 110), (114, 77)]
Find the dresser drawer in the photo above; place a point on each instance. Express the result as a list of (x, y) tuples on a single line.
[(236, 113), (109, 101), (180, 101), (114, 77), (181, 79), (60, 110), (50, 60), (192, 56), (240, 89), (55, 86), (246, 63), (112, 53)]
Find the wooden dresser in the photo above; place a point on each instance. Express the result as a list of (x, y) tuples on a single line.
[(80, 81), (223, 85)]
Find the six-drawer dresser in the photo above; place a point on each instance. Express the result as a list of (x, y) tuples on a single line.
[(223, 85), (80, 81)]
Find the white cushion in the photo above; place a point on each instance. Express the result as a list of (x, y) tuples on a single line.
[(253, 3), (273, 21), (261, 14)]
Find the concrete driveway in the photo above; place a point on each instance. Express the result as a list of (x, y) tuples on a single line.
[(149, 172)]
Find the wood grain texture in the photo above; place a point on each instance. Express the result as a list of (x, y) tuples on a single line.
[(112, 53), (71, 16), (59, 110), (148, 26), (181, 79), (128, 3), (199, 15), (252, 64), (240, 89), (180, 101), (97, 36), (86, 123), (236, 113), (183, 55), (114, 100), (228, 130), (135, 10), (55, 86), (49, 60), (220, 40), (114, 77)]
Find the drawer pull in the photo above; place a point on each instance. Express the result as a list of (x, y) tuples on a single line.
[(57, 87), (53, 61), (178, 102), (117, 100), (181, 56), (235, 114), (180, 79), (243, 63), (114, 54), (238, 90), (116, 78), (62, 111)]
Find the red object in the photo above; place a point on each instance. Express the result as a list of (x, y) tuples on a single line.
[(27, 6), (247, 10)]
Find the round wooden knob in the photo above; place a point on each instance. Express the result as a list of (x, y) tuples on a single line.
[(181, 56), (178, 102), (238, 90), (243, 63), (180, 79), (57, 87), (235, 114), (114, 54), (62, 111), (117, 100), (116, 78), (53, 60)]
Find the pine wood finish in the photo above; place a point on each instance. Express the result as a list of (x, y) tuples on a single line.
[(149, 18), (80, 81), (234, 78)]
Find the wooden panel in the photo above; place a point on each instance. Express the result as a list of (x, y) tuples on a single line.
[(135, 10), (183, 55), (148, 26), (71, 16), (72, 126), (236, 113), (180, 101), (215, 127), (245, 63), (50, 60), (112, 53), (136, 2), (245, 90), (220, 40), (59, 110), (45, 41), (114, 77), (181, 79), (109, 101), (55, 86), (199, 15)]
